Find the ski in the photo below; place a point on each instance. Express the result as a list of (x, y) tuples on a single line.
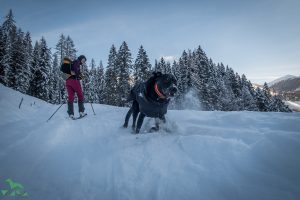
[(80, 117)]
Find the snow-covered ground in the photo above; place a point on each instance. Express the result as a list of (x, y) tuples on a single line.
[(207, 155)]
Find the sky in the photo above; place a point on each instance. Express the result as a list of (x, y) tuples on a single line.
[(258, 38)]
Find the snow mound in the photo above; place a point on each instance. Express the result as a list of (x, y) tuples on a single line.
[(205, 155)]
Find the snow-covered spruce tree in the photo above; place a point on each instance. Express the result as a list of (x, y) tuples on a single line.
[(70, 48), (65, 48), (34, 70), (142, 66), (55, 97), (92, 91), (268, 96), (111, 78), (175, 103), (9, 32), (41, 69), (28, 59), (161, 66), (223, 96), (100, 83), (44, 71), (61, 48), (20, 56), (168, 69), (86, 83), (212, 86), (184, 72), (124, 64), (1, 56), (247, 99), (202, 79), (228, 80), (261, 100), (277, 105), (176, 70), (156, 67)]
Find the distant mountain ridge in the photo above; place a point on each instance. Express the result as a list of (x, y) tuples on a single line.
[(286, 77), (287, 86)]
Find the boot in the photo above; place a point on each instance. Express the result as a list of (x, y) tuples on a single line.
[(81, 108), (70, 109)]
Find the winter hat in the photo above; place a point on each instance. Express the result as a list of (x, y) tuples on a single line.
[(81, 57)]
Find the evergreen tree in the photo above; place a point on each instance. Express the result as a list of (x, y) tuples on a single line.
[(2, 53), (277, 105), (177, 102), (86, 83), (92, 91), (142, 66), (261, 100), (223, 99), (28, 60), (41, 70), (202, 78), (20, 56), (8, 32), (247, 99), (156, 67), (184, 71), (100, 83), (44, 71), (229, 80), (124, 65), (168, 69), (55, 95), (34, 71), (161, 66), (61, 48), (111, 79), (267, 92), (70, 48)]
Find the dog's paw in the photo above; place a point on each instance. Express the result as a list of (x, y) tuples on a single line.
[(153, 129)]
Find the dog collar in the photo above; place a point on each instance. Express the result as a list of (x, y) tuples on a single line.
[(158, 92)]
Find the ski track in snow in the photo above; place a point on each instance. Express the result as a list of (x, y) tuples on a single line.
[(196, 155)]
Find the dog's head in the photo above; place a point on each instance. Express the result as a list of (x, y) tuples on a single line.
[(165, 85)]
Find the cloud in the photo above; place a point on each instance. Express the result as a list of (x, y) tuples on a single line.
[(170, 58)]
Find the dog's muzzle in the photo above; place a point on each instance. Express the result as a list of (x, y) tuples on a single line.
[(171, 91)]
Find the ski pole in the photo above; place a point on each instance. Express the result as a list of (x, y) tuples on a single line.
[(93, 109), (55, 112), (20, 103)]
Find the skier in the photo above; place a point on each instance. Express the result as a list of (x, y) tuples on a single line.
[(73, 86)]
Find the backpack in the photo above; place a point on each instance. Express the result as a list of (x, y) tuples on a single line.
[(66, 67)]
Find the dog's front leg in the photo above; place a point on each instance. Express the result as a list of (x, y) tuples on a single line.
[(127, 117), (136, 110), (140, 122)]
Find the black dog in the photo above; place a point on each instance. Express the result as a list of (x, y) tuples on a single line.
[(151, 99)]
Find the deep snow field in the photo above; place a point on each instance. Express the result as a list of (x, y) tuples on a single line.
[(203, 155)]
